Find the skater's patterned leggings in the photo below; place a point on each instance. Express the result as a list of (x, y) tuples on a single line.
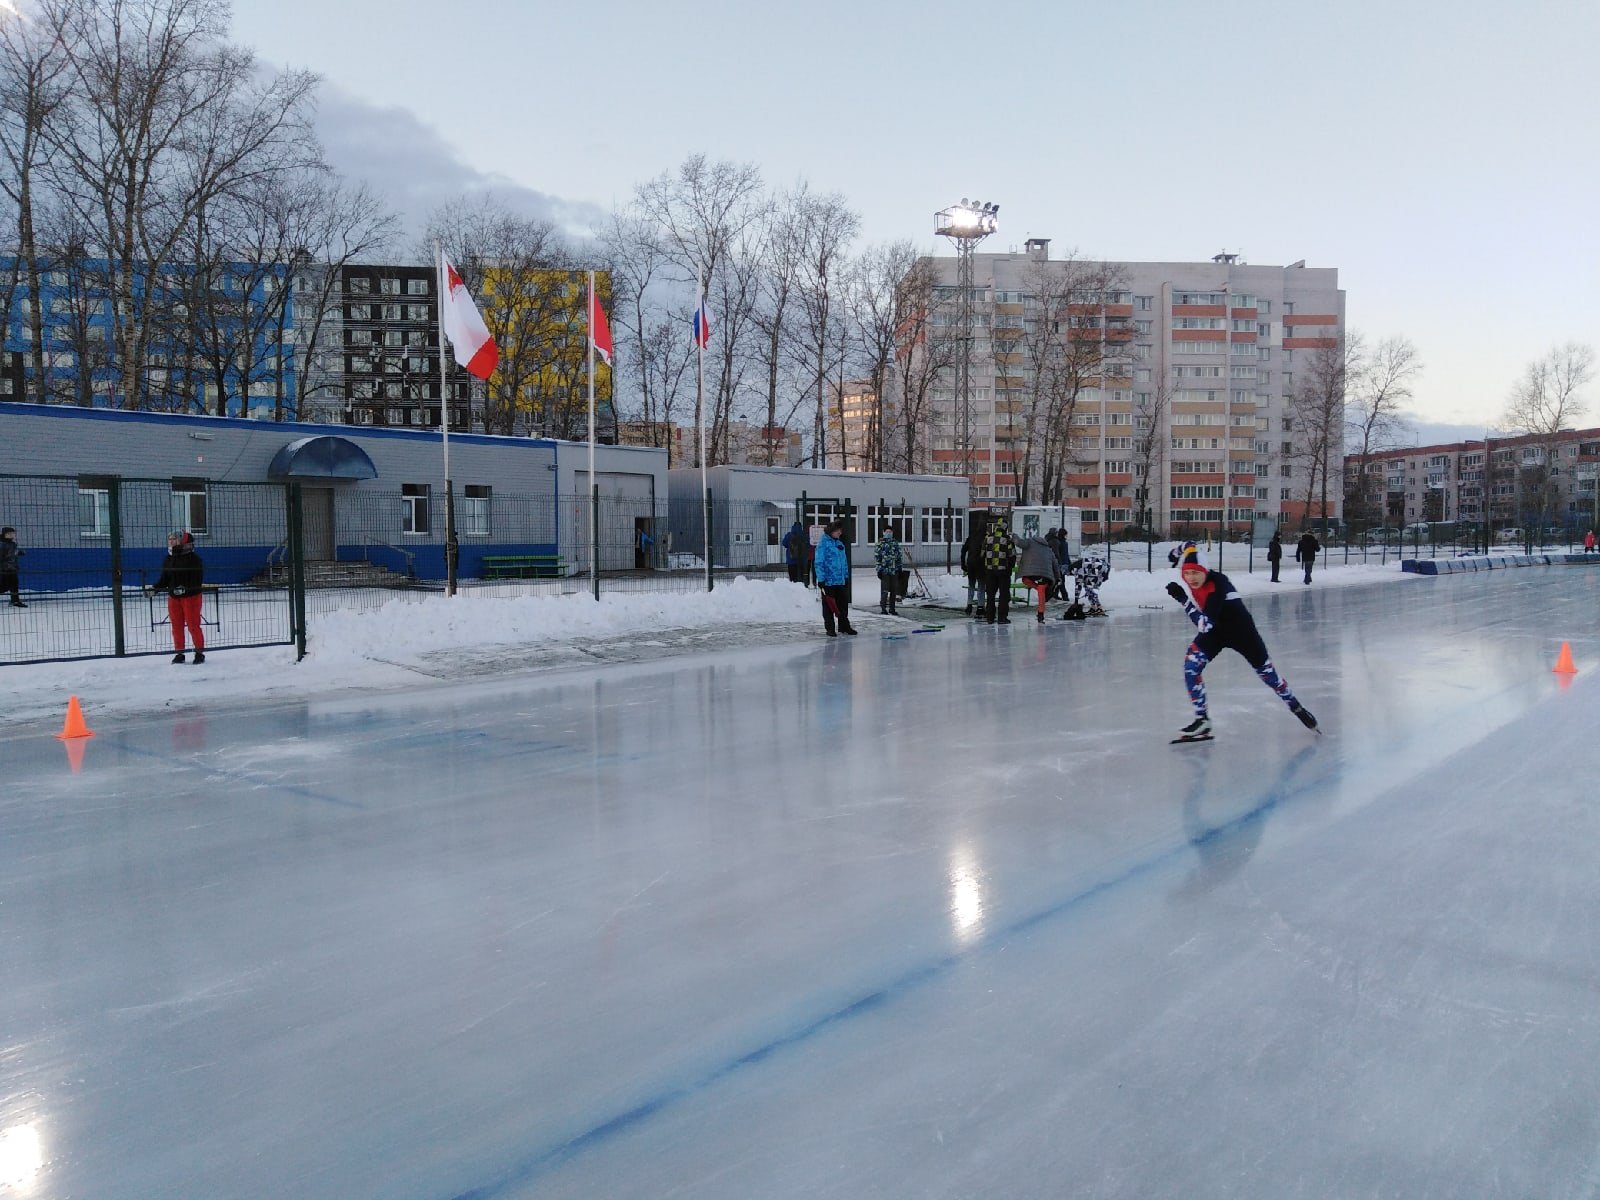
[(1195, 663)]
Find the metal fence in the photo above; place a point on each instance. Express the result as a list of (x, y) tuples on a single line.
[(91, 553), (278, 557)]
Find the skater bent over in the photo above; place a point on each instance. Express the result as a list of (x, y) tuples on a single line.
[(1090, 573), (1041, 569), (182, 578), (1224, 623), (832, 567)]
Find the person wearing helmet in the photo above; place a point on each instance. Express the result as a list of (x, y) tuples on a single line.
[(182, 577)]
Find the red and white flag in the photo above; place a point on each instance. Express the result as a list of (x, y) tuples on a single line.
[(469, 337), (599, 329)]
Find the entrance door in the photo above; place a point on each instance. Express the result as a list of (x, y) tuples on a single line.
[(774, 542), (317, 511)]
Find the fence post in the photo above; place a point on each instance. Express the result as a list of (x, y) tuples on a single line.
[(710, 582), (297, 569), (949, 530), (114, 504)]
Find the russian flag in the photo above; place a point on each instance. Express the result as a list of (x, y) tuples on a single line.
[(702, 322)]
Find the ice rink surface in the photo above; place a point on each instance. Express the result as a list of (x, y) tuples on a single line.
[(940, 916)]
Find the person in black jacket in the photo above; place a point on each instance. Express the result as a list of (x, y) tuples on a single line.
[(1224, 623), (1306, 552), (183, 576), (8, 566), (1275, 554), (972, 562)]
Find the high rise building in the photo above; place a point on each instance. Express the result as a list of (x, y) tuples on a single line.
[(1176, 395)]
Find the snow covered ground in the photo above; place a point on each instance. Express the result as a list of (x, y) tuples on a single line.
[(415, 640)]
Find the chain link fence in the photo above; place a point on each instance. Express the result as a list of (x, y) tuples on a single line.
[(277, 557)]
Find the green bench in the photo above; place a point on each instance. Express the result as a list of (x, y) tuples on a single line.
[(522, 566)]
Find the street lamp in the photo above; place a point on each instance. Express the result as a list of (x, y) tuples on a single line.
[(966, 224)]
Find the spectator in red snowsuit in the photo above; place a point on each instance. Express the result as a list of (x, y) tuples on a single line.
[(182, 577)]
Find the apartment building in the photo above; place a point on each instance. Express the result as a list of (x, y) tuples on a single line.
[(1179, 406), (1520, 480)]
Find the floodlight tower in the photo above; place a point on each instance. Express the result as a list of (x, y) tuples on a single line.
[(966, 224)]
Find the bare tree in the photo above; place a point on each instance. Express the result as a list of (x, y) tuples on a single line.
[(32, 72), (637, 258), (1066, 350), (1317, 411), (167, 117), (1379, 389), (778, 281), (705, 211), (1150, 434), (926, 354), (531, 293), (827, 227), (879, 309), (1546, 400), (339, 224)]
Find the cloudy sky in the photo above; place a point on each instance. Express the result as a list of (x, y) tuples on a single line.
[(1442, 155)]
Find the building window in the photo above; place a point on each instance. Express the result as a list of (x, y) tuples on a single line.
[(895, 517), (389, 287), (1283, 493), (475, 508), (360, 285), (189, 505), (94, 511), (414, 510), (416, 287), (939, 527)]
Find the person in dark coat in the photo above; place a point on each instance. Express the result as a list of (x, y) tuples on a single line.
[(9, 571), (1275, 554), (833, 578), (797, 553), (1223, 623), (999, 553), (182, 578), (1306, 552), (972, 562)]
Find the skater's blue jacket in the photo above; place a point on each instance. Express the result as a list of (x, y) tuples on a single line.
[(831, 567)]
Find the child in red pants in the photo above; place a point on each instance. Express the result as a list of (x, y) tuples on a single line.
[(182, 577)]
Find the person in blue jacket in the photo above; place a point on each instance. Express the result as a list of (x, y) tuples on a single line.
[(832, 569), (1224, 623)]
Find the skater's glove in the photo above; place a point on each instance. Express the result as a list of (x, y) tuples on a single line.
[(1175, 590)]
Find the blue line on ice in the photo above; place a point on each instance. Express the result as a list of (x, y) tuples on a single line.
[(531, 1168)]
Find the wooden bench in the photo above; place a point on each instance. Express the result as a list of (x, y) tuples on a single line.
[(522, 566)]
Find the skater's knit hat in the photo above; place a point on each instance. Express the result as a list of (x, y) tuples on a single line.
[(1186, 555)]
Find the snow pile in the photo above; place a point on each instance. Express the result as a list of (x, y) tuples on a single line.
[(403, 628)]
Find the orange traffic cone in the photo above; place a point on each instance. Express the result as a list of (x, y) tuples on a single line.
[(74, 728), (1564, 661)]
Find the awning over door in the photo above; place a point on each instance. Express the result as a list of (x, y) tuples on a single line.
[(325, 457)]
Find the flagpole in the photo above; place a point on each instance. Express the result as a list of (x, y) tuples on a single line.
[(452, 549), (594, 483), (700, 408)]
